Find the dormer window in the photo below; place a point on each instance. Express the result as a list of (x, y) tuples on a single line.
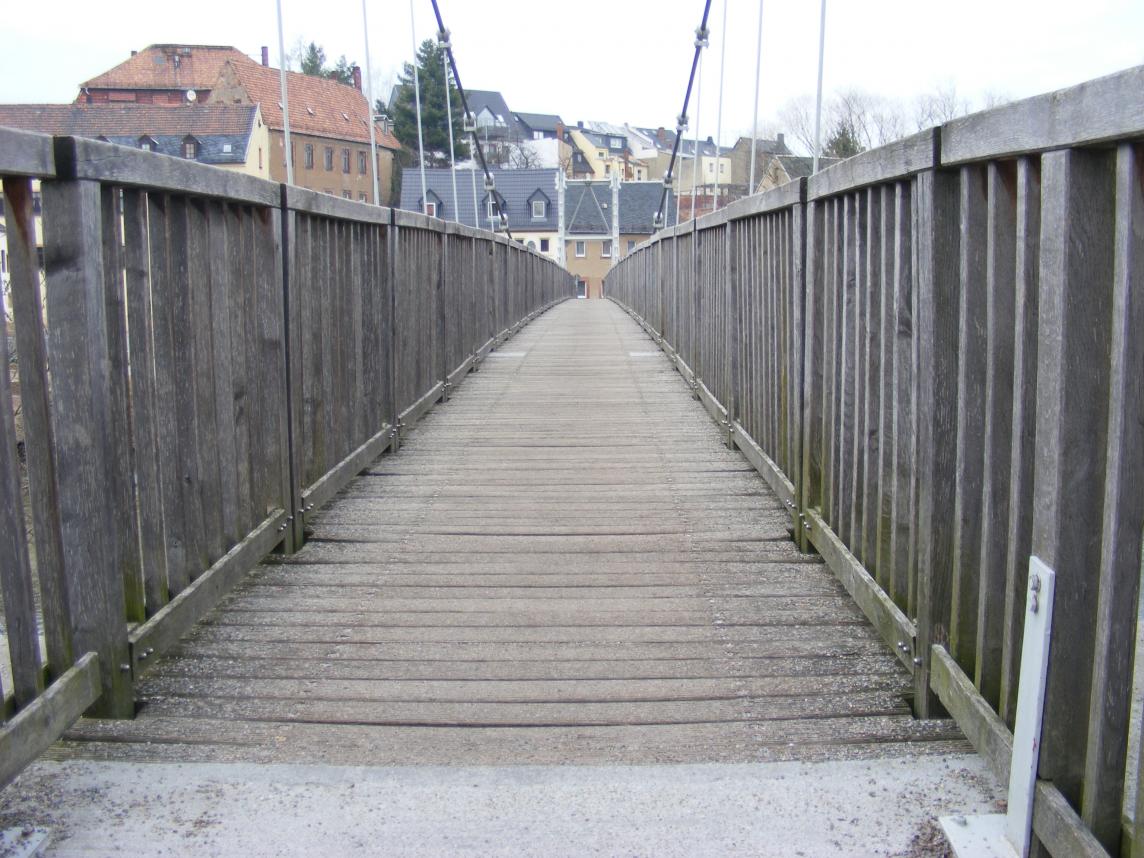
[(431, 209), (492, 210), (190, 147), (538, 209), (147, 144)]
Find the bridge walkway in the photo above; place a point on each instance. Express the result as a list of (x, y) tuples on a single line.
[(561, 564)]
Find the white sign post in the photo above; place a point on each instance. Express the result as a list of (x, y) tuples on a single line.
[(1010, 834)]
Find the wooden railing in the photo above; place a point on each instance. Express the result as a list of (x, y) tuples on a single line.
[(934, 352), (213, 357)]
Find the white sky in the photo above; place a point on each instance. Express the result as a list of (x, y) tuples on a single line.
[(618, 61)]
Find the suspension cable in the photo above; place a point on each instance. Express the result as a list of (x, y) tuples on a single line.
[(443, 40), (696, 151), (755, 114), (490, 182), (701, 41), (417, 96), (719, 113)]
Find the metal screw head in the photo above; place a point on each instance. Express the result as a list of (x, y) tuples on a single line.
[(918, 661), (126, 668)]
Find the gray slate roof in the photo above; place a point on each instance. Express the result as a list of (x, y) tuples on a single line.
[(798, 166), (516, 188), (540, 121), (587, 207)]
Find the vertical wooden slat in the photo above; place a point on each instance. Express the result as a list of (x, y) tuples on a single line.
[(813, 351), (166, 382), (185, 384), (844, 446), (1077, 230), (121, 467), (241, 373), (1023, 438), (971, 372), (870, 440), (39, 432), (1122, 514), (144, 416), (221, 261), (936, 232), (903, 462), (16, 570), (886, 335), (1000, 274), (78, 356), (209, 496)]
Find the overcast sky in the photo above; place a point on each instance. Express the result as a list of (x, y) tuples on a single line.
[(616, 61)]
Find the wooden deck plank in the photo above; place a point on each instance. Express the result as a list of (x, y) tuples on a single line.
[(562, 564)]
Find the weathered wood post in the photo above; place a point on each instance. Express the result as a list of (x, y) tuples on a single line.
[(292, 287), (936, 311), (81, 402)]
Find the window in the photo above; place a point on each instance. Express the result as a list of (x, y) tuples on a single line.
[(345, 160), (615, 142), (329, 158), (362, 198), (544, 245), (631, 245), (146, 144), (347, 195), (721, 166), (309, 156), (259, 157), (431, 209), (538, 208), (581, 248), (362, 161), (492, 210), (607, 169), (606, 249), (190, 147)]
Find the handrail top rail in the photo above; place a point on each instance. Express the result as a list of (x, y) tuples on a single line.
[(306, 201), (84, 158), (1093, 112), (25, 153), (896, 160), (47, 157)]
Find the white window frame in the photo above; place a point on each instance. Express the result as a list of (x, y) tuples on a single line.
[(492, 210), (539, 213), (581, 249), (431, 209), (606, 249)]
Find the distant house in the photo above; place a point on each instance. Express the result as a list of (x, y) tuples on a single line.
[(530, 199), (603, 222), (780, 169), (230, 136), (329, 121), (540, 126), (603, 151)]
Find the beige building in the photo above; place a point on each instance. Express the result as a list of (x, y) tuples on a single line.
[(329, 121)]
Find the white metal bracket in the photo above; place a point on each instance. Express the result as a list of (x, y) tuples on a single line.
[(1010, 834)]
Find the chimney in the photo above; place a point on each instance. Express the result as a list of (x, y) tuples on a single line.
[(781, 142), (580, 123), (134, 53), (356, 72), (266, 56), (661, 135), (559, 131)]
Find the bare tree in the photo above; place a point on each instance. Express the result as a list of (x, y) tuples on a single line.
[(939, 106), (797, 117)]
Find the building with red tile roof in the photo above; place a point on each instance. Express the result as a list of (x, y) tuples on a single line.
[(329, 121)]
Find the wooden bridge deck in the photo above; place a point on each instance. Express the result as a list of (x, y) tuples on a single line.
[(562, 564)]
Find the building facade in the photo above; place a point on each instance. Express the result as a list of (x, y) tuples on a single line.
[(331, 118)]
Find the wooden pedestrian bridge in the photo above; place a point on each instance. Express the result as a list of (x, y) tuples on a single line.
[(248, 511)]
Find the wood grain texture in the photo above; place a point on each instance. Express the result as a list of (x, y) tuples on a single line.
[(39, 434), (78, 356), (548, 553)]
